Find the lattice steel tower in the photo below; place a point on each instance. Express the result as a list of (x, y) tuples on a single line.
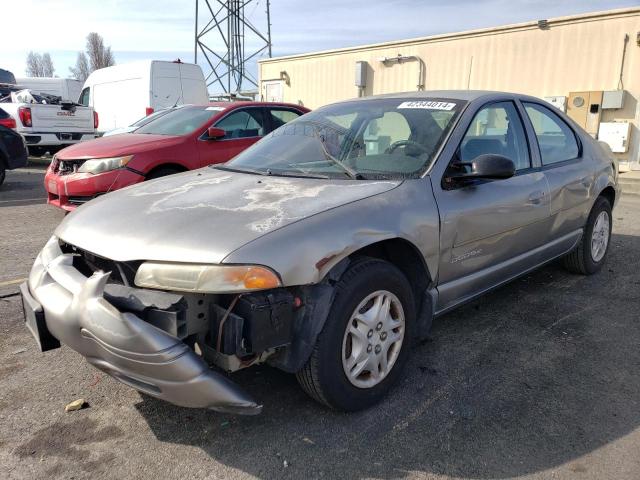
[(228, 41)]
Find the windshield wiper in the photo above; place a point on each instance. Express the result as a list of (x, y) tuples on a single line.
[(241, 170), (348, 170), (301, 174)]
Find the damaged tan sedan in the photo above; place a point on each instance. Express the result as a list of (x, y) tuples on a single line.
[(323, 250)]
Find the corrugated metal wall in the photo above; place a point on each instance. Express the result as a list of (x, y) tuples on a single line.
[(577, 53)]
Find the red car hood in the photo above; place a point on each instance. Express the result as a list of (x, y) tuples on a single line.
[(116, 145)]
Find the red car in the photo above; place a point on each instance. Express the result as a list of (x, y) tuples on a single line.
[(189, 137)]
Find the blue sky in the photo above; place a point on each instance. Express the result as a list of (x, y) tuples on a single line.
[(164, 29)]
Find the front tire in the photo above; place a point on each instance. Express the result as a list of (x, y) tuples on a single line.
[(590, 254), (362, 349)]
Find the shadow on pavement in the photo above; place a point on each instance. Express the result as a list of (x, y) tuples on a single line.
[(532, 376), (22, 188)]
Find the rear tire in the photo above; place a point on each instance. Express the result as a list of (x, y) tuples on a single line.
[(162, 172), (363, 347), (590, 254)]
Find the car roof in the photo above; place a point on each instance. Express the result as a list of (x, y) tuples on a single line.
[(230, 105), (465, 95)]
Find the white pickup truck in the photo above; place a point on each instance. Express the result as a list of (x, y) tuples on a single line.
[(47, 123)]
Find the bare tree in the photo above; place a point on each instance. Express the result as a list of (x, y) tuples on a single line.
[(39, 65), (47, 65), (34, 65), (99, 55), (81, 70)]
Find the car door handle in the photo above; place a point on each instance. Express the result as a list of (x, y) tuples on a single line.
[(536, 197)]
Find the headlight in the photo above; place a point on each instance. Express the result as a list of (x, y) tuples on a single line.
[(99, 165), (187, 277)]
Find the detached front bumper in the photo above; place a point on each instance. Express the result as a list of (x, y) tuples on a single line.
[(62, 304)]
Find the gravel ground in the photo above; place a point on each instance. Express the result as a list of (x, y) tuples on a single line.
[(539, 379)]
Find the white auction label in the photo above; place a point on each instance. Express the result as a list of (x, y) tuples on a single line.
[(428, 104)]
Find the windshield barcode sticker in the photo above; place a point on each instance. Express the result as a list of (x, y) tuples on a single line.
[(429, 105)]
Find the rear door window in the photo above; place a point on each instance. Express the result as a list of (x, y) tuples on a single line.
[(556, 139), (279, 116)]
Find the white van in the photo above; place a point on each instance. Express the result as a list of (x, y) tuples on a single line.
[(67, 88), (124, 93)]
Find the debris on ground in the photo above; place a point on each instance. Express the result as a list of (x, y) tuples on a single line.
[(96, 380), (78, 404), (16, 352)]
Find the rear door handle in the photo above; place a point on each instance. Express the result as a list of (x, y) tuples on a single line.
[(536, 197)]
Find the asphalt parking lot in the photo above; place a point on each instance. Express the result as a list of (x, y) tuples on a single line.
[(539, 379)]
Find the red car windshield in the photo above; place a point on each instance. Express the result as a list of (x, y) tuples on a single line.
[(181, 121)]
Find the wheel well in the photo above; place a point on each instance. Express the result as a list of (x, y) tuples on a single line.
[(610, 194), (404, 255), (174, 166)]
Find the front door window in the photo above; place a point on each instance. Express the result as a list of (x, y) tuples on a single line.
[(496, 129), (245, 123)]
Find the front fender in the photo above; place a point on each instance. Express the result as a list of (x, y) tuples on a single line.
[(305, 251)]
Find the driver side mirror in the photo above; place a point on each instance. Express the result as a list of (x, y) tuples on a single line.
[(215, 133), (488, 166)]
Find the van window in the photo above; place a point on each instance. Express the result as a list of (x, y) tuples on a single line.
[(180, 121), (84, 97)]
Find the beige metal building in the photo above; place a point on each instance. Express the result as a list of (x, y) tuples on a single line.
[(587, 65)]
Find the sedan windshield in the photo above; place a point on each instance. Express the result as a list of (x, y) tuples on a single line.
[(150, 118), (180, 121), (381, 138)]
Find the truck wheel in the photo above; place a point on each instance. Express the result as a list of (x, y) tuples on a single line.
[(161, 172), (364, 344), (590, 254)]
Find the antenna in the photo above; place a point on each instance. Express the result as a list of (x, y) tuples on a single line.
[(229, 42)]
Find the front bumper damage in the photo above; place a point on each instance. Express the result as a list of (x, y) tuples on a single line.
[(63, 304)]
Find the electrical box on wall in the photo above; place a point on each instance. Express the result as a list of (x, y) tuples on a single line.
[(613, 99), (558, 101), (361, 74), (585, 109), (616, 135)]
